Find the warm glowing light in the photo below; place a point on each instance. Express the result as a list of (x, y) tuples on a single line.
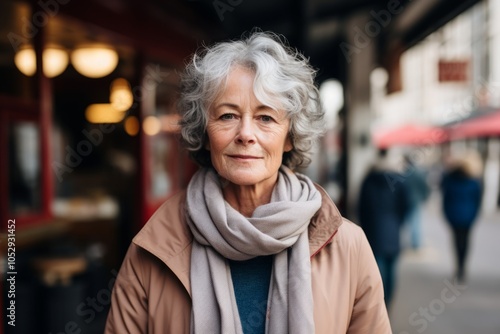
[(25, 61), (121, 96), (131, 125), (103, 113), (151, 125), (55, 61), (94, 61)]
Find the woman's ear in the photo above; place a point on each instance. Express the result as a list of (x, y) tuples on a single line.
[(207, 145), (288, 144)]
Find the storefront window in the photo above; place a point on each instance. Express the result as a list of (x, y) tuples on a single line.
[(24, 169), (161, 84)]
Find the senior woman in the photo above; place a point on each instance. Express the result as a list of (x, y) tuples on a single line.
[(251, 246)]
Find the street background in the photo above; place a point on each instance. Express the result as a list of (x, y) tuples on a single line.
[(423, 274)]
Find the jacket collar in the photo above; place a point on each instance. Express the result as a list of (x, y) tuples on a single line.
[(167, 236), (324, 224)]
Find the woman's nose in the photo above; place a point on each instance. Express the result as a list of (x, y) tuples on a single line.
[(246, 132)]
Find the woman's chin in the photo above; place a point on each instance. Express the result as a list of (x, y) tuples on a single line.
[(247, 178)]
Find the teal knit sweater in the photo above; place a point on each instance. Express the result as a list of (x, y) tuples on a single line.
[(251, 280)]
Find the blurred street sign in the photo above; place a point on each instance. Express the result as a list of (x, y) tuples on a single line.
[(453, 71)]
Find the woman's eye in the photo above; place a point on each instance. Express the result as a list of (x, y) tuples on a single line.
[(266, 118), (227, 116)]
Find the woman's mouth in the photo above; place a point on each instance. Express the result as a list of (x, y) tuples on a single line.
[(243, 157)]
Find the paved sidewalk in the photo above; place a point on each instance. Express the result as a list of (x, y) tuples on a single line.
[(428, 300)]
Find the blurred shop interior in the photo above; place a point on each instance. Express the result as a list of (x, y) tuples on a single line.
[(89, 141)]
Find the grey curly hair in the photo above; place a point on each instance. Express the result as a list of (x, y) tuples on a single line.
[(283, 77)]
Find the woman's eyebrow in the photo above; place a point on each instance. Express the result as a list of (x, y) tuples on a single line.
[(235, 106), (264, 106), (227, 104)]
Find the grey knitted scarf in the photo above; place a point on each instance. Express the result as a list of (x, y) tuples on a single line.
[(220, 233)]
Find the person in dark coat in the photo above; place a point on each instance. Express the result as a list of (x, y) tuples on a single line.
[(382, 208), (461, 190), (418, 193)]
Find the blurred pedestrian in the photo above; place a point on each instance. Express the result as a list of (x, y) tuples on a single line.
[(418, 191), (462, 190), (383, 205)]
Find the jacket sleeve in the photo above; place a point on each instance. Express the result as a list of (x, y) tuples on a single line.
[(128, 312), (369, 315)]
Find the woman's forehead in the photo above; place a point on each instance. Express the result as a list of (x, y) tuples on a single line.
[(263, 94)]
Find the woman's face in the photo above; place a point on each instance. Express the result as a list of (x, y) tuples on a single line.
[(246, 138)]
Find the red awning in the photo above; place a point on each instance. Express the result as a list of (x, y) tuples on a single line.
[(483, 126), (410, 135)]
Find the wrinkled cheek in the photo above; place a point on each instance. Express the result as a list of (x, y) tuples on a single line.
[(216, 162), (276, 157)]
